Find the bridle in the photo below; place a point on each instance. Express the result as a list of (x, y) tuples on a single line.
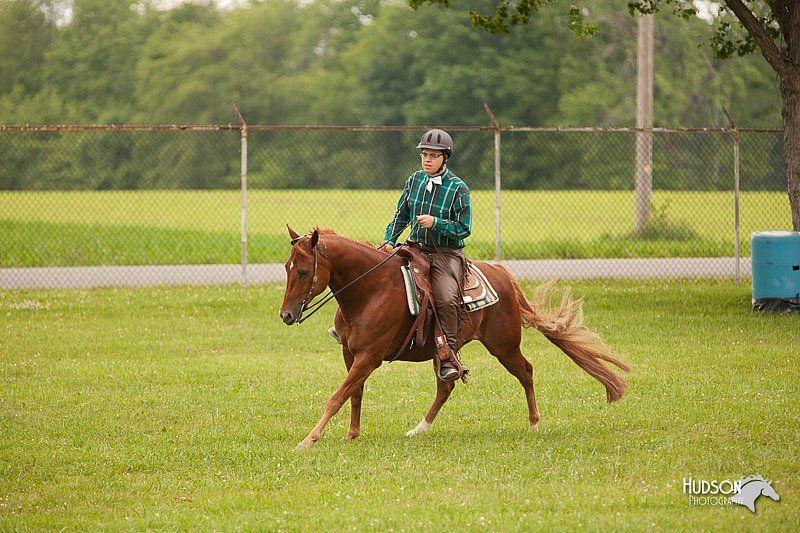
[(308, 296), (313, 308)]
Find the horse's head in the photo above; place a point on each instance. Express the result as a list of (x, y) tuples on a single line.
[(306, 276)]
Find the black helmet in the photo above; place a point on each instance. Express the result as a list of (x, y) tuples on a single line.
[(437, 140)]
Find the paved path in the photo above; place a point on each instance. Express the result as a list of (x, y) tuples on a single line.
[(83, 277)]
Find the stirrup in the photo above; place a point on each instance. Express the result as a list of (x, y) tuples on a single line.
[(335, 334), (451, 357), (448, 370)]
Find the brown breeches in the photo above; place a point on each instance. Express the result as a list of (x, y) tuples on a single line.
[(447, 269)]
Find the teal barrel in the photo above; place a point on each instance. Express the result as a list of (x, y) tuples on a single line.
[(775, 264)]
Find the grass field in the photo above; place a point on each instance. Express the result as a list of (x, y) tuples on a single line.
[(179, 408), (204, 227)]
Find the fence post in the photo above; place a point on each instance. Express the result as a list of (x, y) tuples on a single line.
[(644, 121), (243, 133), (735, 190), (497, 181)]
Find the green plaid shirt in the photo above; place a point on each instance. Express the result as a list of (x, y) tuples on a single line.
[(449, 204)]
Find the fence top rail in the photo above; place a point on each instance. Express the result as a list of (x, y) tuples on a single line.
[(309, 127), (118, 127)]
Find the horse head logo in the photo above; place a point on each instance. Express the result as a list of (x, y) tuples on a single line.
[(750, 488)]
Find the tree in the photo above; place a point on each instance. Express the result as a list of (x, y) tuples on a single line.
[(741, 27), (25, 34), (92, 61)]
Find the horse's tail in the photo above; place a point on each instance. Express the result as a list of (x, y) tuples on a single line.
[(562, 324)]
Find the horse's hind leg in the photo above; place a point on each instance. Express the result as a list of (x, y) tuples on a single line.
[(521, 369), (443, 390)]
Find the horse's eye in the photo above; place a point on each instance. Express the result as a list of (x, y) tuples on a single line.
[(302, 273)]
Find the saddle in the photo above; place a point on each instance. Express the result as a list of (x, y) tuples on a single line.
[(477, 293)]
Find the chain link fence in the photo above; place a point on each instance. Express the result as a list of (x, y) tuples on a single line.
[(109, 205)]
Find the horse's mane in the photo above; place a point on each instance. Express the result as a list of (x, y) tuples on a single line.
[(331, 231)]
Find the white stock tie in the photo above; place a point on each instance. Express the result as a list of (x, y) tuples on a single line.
[(431, 180)]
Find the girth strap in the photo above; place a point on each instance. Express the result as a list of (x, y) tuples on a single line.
[(417, 328)]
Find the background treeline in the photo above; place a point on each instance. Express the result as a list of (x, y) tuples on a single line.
[(344, 62)]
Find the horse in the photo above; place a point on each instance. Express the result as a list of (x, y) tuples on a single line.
[(750, 488), (373, 321)]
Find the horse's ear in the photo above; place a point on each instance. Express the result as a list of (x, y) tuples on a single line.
[(293, 234), (314, 239)]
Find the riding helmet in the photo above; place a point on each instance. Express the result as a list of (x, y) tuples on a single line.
[(437, 140)]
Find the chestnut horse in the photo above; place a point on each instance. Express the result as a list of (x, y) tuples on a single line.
[(373, 320)]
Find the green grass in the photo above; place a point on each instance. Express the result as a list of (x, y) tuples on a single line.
[(203, 227), (179, 408)]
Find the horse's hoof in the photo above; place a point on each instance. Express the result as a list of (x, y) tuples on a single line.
[(534, 427), (304, 445), (351, 435), (422, 427)]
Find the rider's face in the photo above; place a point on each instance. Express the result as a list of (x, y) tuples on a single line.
[(431, 160)]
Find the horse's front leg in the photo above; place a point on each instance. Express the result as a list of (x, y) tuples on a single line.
[(360, 370), (355, 414), (355, 401)]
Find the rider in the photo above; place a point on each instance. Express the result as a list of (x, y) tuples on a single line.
[(437, 205)]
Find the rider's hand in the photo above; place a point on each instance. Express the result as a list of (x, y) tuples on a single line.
[(387, 247), (426, 221)]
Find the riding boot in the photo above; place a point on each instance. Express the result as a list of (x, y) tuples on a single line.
[(446, 363), (447, 267)]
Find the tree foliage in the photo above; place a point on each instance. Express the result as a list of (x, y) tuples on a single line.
[(339, 62), (741, 27)]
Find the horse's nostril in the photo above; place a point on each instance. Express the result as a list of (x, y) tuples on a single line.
[(287, 317)]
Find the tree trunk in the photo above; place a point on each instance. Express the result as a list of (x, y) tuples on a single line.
[(790, 90), (786, 63)]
